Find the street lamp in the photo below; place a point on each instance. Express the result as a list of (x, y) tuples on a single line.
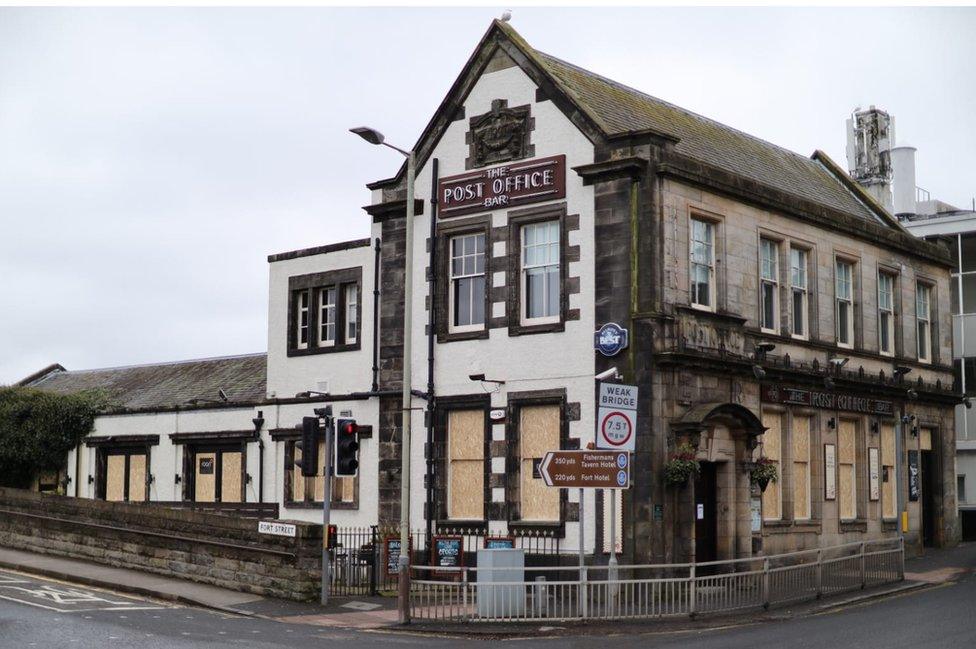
[(373, 136)]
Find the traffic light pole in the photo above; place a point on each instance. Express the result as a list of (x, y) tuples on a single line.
[(327, 506)]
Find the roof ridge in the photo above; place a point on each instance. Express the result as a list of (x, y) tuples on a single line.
[(625, 87), (165, 363)]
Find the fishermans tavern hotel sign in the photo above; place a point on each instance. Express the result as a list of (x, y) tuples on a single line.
[(826, 400), (542, 179)]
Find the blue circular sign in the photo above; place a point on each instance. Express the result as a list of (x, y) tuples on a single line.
[(622, 460), (622, 478), (610, 339)]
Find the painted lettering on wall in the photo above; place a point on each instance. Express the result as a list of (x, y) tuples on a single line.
[(536, 180), (826, 400)]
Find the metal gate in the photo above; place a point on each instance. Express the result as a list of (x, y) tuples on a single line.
[(353, 559)]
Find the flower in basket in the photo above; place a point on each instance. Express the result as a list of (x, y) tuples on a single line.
[(681, 466), (763, 472)]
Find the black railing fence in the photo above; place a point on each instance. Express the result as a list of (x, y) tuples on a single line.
[(364, 560)]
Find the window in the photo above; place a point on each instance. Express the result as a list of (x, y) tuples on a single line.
[(538, 433), (702, 264), (466, 464), (301, 307), (801, 467), (327, 316), (467, 271), (844, 311), (768, 285), (886, 314), (846, 454), (123, 475), (352, 313), (771, 448), (303, 491), (798, 292), (540, 272), (923, 318), (961, 488), (889, 484), (325, 312)]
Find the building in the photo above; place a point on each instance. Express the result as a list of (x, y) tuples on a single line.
[(955, 228), (767, 297)]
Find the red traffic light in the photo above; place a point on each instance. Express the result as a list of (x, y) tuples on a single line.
[(348, 427)]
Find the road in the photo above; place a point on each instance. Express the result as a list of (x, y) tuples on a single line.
[(37, 612)]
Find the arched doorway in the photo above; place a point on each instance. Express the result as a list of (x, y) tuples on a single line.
[(723, 436)]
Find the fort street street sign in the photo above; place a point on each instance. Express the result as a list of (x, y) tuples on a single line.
[(597, 469)]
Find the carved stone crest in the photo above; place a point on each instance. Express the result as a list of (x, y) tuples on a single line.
[(500, 135)]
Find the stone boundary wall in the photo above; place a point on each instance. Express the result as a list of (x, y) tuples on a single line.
[(209, 548)]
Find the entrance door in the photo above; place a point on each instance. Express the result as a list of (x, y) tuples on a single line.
[(706, 519), (929, 492)]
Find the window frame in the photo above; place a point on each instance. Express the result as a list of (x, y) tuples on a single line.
[(452, 278), (850, 301), (926, 289), (303, 318), (321, 338), (351, 315), (524, 319), (773, 281), (514, 289), (805, 294), (891, 327), (711, 226), (315, 285)]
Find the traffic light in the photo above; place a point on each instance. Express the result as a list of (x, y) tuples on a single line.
[(333, 537), (309, 447), (346, 448)]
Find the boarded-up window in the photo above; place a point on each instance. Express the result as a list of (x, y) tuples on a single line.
[(801, 467), (772, 448), (137, 478), (889, 484), (115, 478), (230, 477), (466, 465), (297, 491), (925, 439), (205, 477), (538, 433), (846, 454), (343, 489)]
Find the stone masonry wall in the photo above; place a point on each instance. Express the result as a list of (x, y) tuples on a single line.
[(204, 547)]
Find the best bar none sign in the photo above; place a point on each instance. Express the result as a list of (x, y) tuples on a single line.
[(531, 181)]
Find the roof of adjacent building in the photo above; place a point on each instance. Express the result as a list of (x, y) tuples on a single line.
[(243, 379)]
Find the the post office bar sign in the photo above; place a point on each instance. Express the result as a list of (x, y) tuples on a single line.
[(826, 400), (541, 179)]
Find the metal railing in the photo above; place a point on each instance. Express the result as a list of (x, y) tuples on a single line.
[(651, 591)]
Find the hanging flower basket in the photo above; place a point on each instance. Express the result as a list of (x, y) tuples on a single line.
[(763, 472), (681, 466)]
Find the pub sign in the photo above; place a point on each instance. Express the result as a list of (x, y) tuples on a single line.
[(826, 400), (540, 179)]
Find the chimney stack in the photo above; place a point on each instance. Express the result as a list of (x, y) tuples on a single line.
[(903, 180)]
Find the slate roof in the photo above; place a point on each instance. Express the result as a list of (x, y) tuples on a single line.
[(619, 109), (137, 387)]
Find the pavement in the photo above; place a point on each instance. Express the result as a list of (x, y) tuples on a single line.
[(936, 568)]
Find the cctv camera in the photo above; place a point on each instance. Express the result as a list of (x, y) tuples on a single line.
[(608, 374), (476, 377)]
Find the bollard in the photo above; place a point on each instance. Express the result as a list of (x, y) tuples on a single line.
[(819, 574), (765, 583)]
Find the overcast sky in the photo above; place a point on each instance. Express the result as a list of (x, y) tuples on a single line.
[(150, 159)]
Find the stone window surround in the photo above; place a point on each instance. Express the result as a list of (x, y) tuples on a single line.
[(312, 283), (789, 523), (445, 404), (516, 400)]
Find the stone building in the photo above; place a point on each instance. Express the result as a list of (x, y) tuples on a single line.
[(774, 310)]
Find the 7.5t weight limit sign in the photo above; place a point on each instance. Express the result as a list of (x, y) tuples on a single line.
[(616, 425)]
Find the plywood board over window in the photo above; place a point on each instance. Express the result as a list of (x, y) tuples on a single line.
[(846, 454), (466, 464), (538, 434), (137, 478), (889, 488), (205, 483), (772, 448), (801, 468), (297, 479), (230, 477), (115, 478)]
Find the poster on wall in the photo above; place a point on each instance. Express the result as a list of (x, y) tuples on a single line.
[(830, 472), (874, 470), (914, 489), (448, 552), (393, 555)]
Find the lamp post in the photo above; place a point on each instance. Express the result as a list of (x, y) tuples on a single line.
[(375, 137)]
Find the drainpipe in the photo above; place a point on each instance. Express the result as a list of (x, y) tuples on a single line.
[(376, 313), (258, 423), (431, 323)]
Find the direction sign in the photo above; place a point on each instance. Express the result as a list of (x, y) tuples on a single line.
[(616, 422), (597, 469)]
